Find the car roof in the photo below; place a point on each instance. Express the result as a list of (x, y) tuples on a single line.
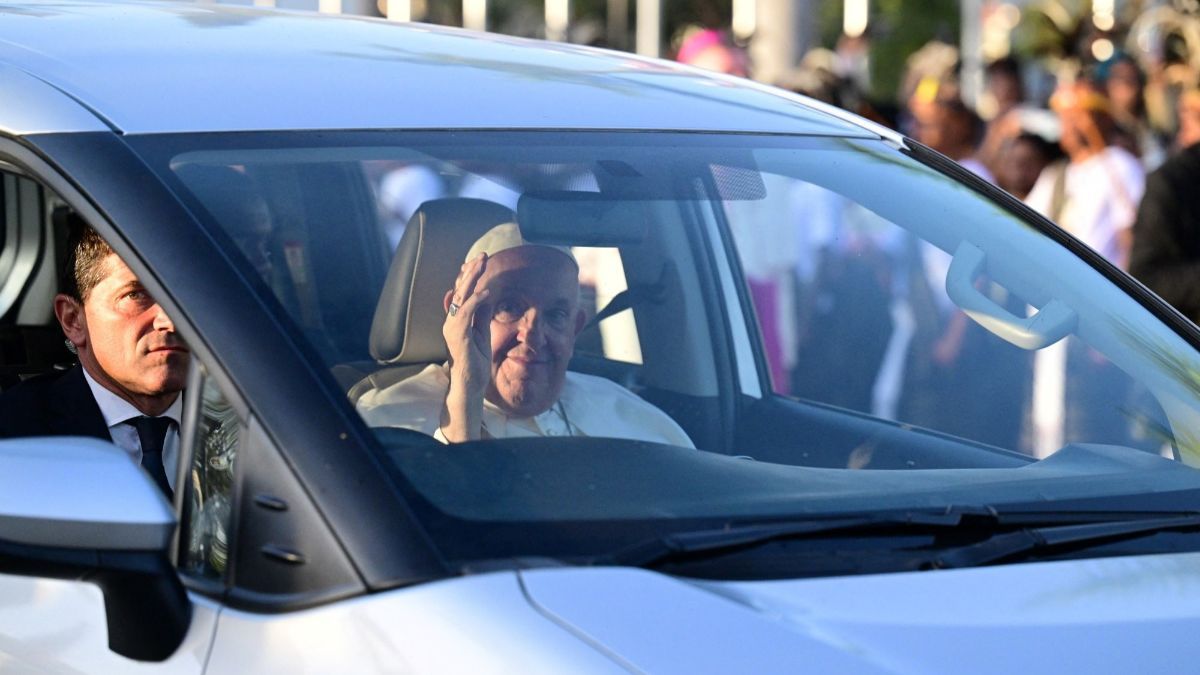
[(150, 67)]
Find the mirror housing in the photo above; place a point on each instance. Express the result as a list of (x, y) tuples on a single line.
[(581, 219), (80, 509)]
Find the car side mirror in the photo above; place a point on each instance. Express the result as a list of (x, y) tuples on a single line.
[(81, 509)]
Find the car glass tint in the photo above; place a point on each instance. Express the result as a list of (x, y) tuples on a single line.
[(854, 312), (207, 516), (893, 311)]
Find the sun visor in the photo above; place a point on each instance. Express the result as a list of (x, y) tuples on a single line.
[(567, 218)]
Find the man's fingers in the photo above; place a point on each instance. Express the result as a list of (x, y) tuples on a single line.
[(480, 312), (468, 276), (469, 329), (471, 305), (464, 313)]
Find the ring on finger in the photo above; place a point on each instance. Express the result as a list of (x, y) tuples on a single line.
[(453, 310)]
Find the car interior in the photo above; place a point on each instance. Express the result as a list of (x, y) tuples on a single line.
[(691, 344), (34, 225), (689, 376), (406, 330), (694, 336), (303, 225)]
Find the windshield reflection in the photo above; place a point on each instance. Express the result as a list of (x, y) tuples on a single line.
[(886, 393)]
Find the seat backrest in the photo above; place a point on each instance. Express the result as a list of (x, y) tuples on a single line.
[(407, 328)]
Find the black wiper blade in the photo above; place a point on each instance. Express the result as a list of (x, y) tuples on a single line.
[(702, 542), (1024, 543)]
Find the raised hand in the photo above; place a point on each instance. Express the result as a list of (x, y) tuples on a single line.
[(468, 335)]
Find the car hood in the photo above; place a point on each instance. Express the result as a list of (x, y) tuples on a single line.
[(1128, 614)]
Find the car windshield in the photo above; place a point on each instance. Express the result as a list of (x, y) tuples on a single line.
[(837, 326)]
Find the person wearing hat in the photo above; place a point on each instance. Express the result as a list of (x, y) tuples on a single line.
[(511, 322), (1166, 234)]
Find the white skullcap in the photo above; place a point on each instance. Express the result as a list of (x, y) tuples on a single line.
[(505, 236)]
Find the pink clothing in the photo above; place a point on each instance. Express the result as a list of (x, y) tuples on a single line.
[(765, 295)]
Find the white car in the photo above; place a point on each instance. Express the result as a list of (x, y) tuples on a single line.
[(985, 464)]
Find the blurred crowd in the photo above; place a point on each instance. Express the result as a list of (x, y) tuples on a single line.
[(1110, 152)]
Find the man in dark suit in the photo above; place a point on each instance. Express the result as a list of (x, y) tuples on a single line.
[(132, 365), (1166, 235)]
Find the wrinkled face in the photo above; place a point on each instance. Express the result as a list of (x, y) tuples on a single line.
[(534, 293), (130, 338)]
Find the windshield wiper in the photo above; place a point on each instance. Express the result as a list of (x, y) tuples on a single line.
[(683, 545), (1027, 542), (1080, 529)]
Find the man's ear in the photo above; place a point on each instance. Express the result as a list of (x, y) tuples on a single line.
[(580, 321), (70, 316)]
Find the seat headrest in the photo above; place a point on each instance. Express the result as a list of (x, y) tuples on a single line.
[(408, 318)]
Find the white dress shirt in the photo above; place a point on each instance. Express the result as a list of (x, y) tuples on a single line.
[(587, 406), (117, 411)]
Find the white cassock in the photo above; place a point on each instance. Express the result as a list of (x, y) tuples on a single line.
[(588, 406)]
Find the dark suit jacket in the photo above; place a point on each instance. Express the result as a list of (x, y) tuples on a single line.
[(1166, 235), (55, 404)]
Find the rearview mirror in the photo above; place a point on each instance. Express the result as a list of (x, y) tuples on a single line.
[(581, 219)]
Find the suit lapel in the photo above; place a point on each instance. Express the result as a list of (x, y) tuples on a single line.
[(74, 409)]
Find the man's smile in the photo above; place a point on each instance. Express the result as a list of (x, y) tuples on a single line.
[(528, 358)]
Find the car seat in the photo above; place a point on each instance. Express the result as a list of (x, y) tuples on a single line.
[(406, 333)]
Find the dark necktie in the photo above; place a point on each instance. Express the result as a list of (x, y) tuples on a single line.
[(152, 431)]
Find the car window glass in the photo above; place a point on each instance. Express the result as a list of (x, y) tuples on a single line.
[(208, 503), (846, 253), (854, 311), (911, 313), (601, 282)]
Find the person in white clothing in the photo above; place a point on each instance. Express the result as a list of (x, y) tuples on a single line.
[(511, 323), (1095, 195), (1077, 394)]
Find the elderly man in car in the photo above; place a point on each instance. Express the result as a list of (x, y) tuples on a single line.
[(510, 328)]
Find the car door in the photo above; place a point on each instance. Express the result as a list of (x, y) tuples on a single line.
[(279, 495), (56, 625), (60, 625)]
